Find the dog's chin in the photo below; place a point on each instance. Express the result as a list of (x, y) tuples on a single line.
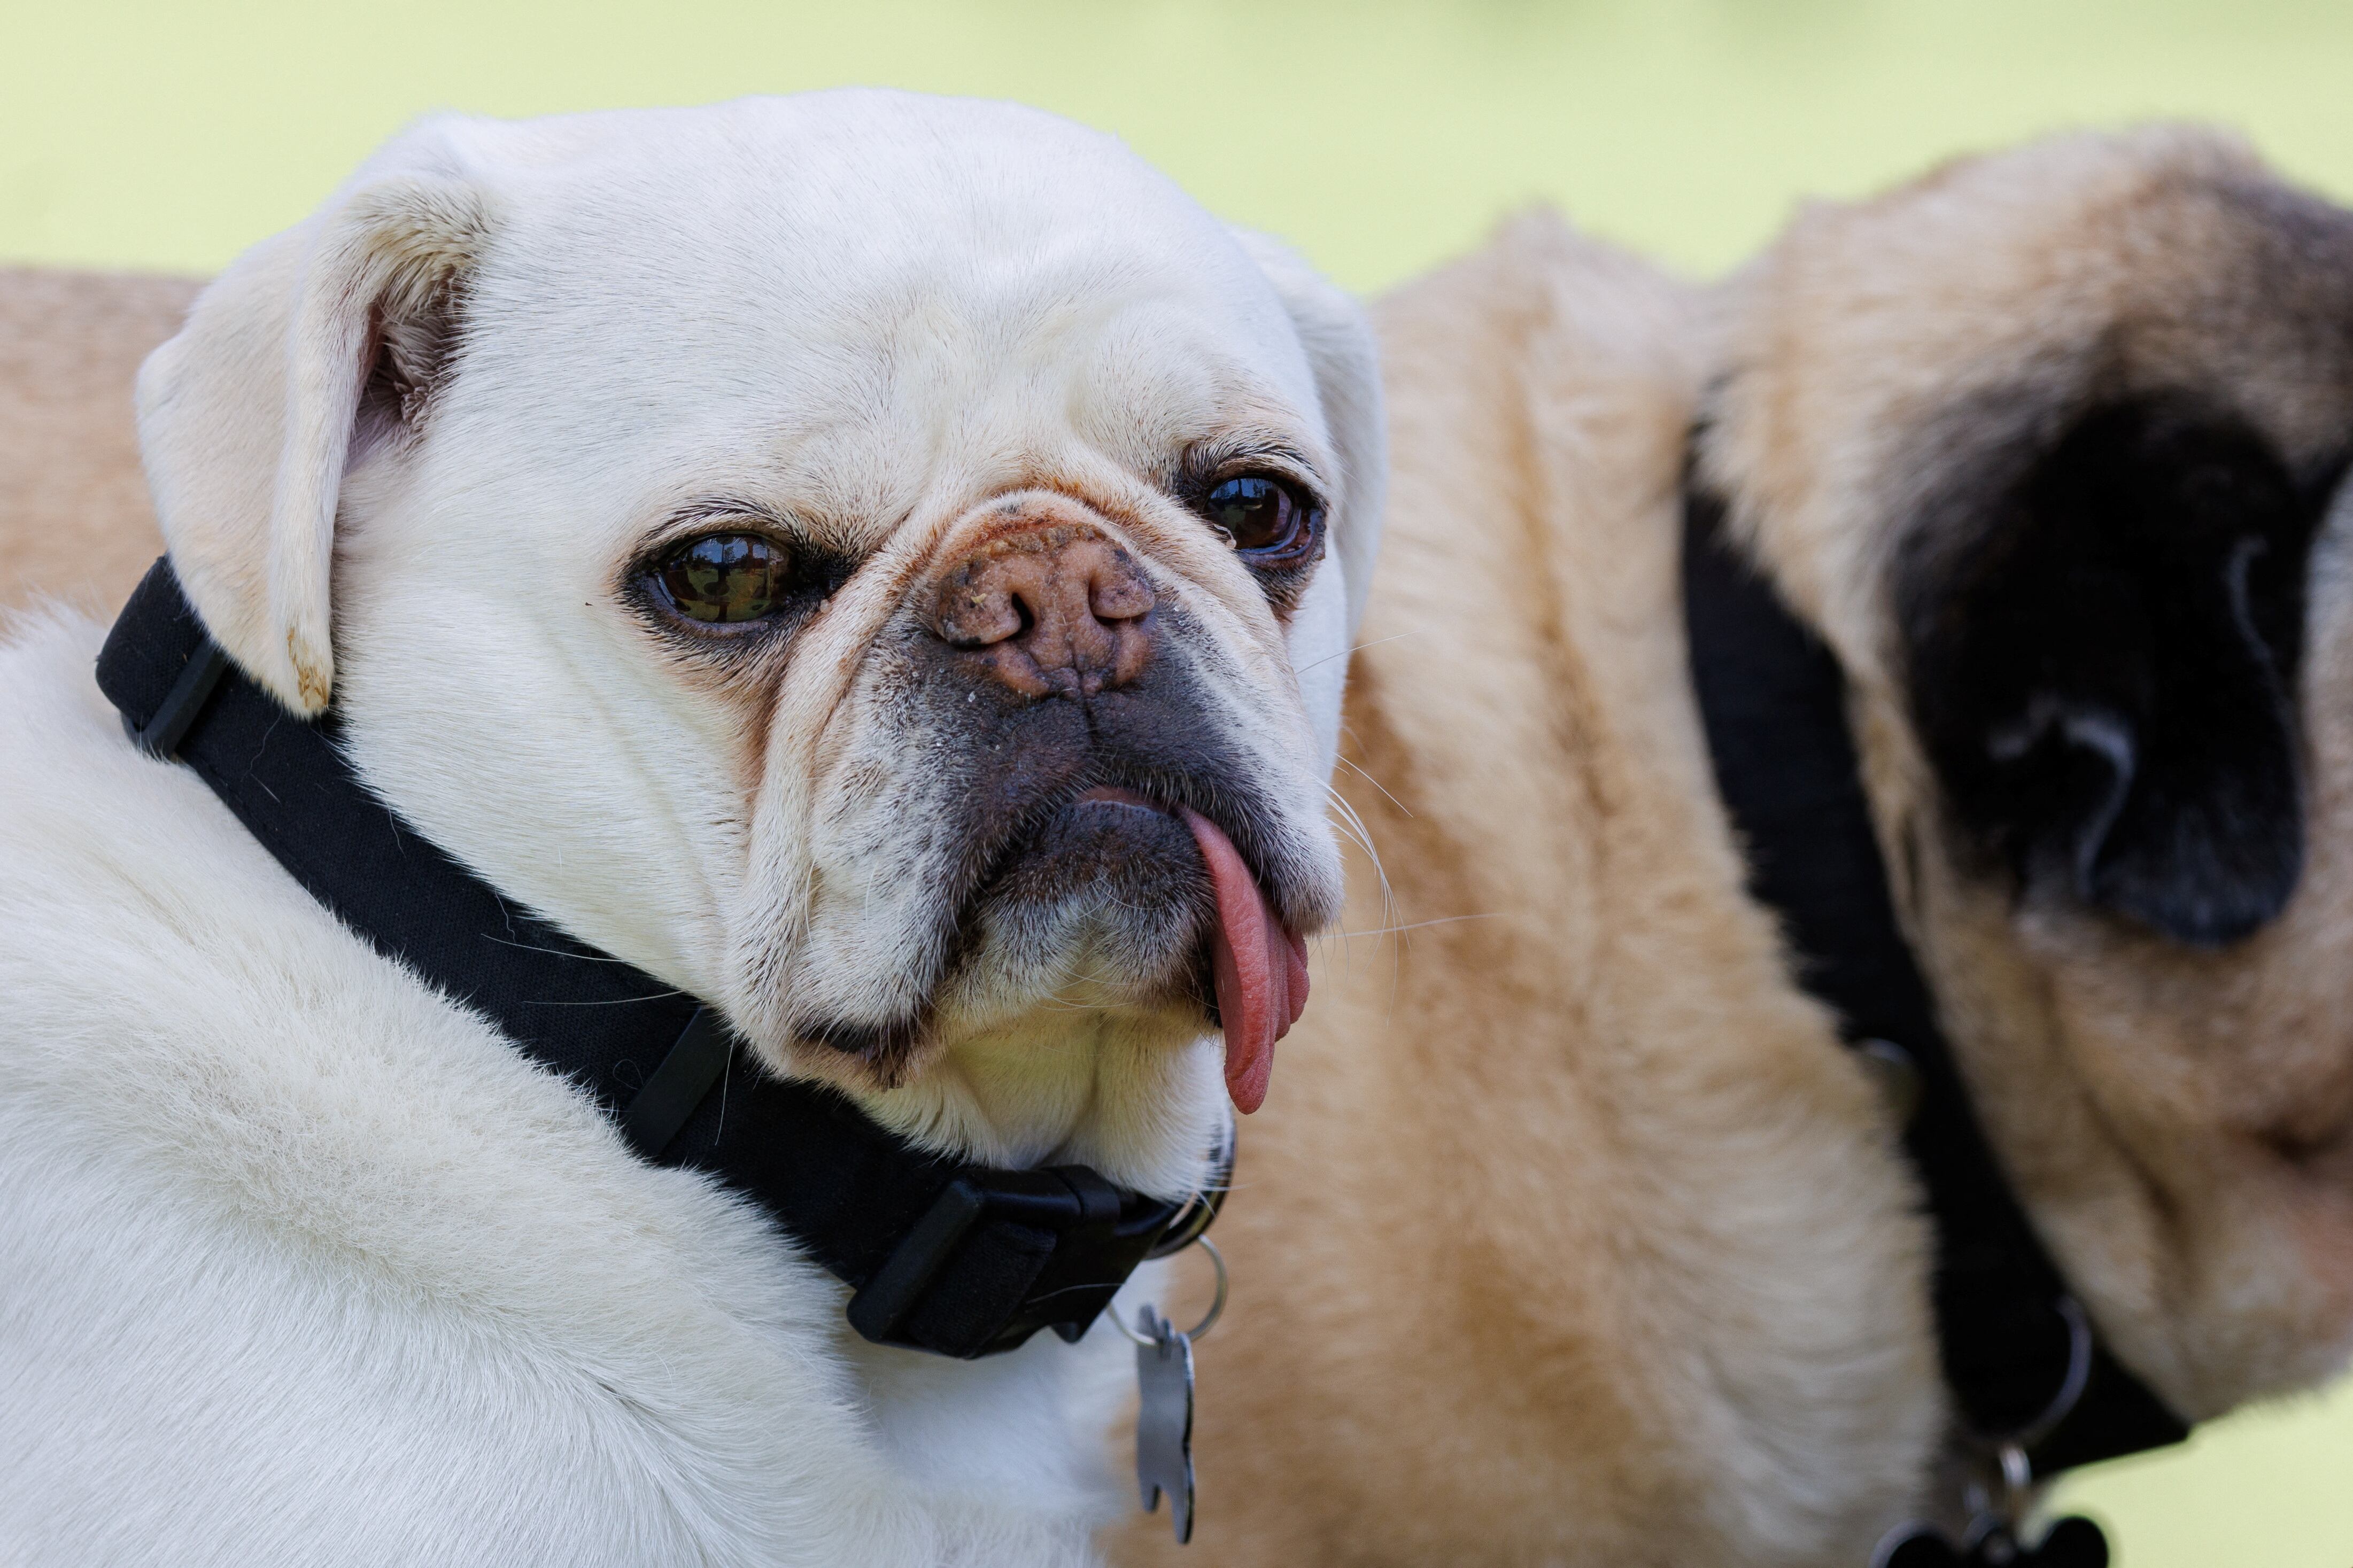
[(1105, 909), (1073, 1027)]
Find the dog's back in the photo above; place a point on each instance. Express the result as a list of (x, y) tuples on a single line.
[(74, 516)]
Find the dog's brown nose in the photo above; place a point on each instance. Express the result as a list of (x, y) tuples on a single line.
[(1054, 610)]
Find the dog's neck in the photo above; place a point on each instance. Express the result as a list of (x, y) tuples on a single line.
[(946, 1255), (2026, 1370)]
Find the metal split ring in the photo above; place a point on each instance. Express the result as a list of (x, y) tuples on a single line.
[(1201, 1212), (1193, 1335)]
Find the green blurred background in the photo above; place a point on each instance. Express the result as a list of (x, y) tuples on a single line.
[(1380, 137)]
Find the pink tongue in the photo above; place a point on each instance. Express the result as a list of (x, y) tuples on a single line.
[(1259, 965)]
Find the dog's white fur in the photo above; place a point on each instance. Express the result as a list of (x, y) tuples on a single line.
[(301, 1262)]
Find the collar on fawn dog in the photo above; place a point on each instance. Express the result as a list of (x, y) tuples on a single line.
[(943, 1255), (2027, 1371)]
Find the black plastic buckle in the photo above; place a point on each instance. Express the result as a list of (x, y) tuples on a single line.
[(1098, 1240)]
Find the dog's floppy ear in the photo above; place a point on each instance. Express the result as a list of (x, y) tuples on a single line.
[(2104, 669), (1345, 358), (315, 348)]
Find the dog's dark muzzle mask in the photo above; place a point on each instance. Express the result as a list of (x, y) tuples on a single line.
[(943, 1255)]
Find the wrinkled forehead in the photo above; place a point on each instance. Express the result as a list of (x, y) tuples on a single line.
[(852, 301)]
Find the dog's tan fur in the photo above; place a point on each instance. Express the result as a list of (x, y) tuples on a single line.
[(1575, 1236), (74, 516)]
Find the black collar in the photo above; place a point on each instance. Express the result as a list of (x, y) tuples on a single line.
[(944, 1256), (2025, 1368)]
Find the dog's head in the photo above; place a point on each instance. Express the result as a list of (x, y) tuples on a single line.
[(882, 564), (2051, 448)]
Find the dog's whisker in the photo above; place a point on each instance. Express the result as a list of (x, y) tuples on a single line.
[(605, 1001), (726, 1073), (1418, 925), (1352, 652), (1357, 769), (1353, 826), (555, 951)]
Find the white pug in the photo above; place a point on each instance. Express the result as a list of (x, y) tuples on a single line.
[(881, 566)]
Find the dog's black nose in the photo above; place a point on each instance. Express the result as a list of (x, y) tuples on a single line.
[(1054, 609)]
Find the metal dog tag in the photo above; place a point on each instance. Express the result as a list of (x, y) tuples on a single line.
[(1164, 1419)]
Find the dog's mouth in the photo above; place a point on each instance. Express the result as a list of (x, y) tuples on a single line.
[(1161, 890)]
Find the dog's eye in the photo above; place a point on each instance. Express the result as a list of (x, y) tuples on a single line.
[(726, 577), (1258, 515)]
